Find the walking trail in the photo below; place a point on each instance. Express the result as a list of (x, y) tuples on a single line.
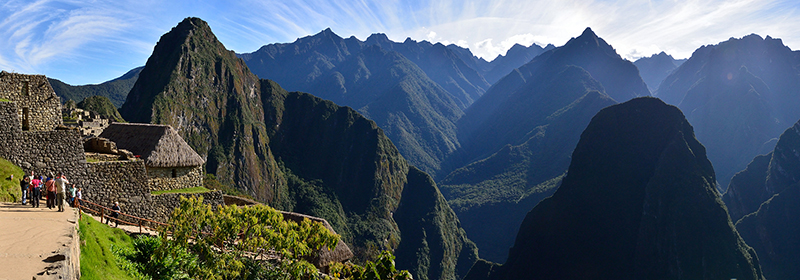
[(38, 243)]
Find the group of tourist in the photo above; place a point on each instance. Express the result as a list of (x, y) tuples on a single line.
[(56, 191)]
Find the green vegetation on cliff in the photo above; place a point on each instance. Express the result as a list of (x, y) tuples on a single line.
[(101, 105)]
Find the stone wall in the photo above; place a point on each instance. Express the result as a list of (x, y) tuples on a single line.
[(49, 152), (8, 117), (126, 182), (123, 181), (185, 177), (39, 108)]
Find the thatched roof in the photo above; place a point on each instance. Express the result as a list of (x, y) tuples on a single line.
[(158, 145), (341, 253)]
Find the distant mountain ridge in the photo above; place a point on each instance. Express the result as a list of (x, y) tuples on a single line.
[(115, 90), (414, 90), (738, 94), (298, 153), (656, 68), (501, 65)]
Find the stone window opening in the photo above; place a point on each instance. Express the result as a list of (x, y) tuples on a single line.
[(25, 86), (26, 123), (174, 173)]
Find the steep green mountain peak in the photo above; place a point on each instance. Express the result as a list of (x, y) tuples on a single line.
[(298, 152)]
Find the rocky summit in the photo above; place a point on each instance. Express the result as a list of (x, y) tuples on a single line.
[(638, 202)]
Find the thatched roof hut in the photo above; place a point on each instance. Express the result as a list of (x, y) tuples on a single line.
[(157, 145)]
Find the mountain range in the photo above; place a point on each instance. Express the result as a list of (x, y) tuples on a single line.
[(656, 68), (298, 152), (115, 90), (415, 91), (739, 95), (638, 202), (499, 137), (518, 137)]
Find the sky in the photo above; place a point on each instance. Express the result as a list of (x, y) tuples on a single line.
[(87, 42)]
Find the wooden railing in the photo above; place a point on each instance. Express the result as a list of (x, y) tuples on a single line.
[(105, 212)]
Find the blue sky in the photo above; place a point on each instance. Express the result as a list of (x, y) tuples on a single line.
[(83, 42)]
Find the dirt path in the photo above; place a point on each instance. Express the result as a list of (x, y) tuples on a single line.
[(127, 228), (38, 243)]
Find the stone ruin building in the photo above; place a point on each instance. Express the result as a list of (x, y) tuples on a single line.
[(35, 139), (38, 106), (89, 123)]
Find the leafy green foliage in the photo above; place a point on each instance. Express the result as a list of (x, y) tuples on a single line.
[(101, 105), (10, 175), (243, 243), (381, 269), (146, 260), (236, 234)]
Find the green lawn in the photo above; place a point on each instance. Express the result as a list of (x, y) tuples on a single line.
[(9, 188), (186, 190), (97, 260)]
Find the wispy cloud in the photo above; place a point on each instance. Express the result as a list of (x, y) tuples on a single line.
[(95, 40)]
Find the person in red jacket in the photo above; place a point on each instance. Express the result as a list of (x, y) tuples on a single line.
[(36, 185)]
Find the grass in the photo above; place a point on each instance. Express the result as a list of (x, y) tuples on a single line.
[(97, 260), (9, 188), (186, 190)]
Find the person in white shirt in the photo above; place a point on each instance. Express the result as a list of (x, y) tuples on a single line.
[(61, 189)]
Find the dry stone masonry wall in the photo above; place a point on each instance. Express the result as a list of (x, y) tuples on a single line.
[(39, 108), (126, 182), (174, 178)]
